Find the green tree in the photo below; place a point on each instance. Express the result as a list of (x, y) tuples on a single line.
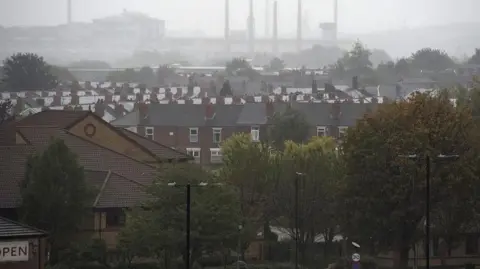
[(291, 124), (358, 58), (226, 89), (313, 170), (375, 167), (214, 215), (429, 59), (27, 71), (248, 167), (5, 110), (276, 64), (55, 196), (475, 58), (62, 74), (146, 76)]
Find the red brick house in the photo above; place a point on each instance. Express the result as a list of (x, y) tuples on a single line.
[(118, 163), (199, 129)]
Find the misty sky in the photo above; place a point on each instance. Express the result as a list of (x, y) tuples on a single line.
[(355, 16)]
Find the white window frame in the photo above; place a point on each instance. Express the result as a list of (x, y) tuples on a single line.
[(321, 131), (216, 155), (150, 132), (216, 131), (193, 138), (255, 133), (342, 130), (195, 153)]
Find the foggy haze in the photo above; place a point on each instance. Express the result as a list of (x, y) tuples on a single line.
[(355, 16)]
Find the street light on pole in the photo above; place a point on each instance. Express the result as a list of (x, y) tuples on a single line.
[(297, 177), (187, 209), (427, 198)]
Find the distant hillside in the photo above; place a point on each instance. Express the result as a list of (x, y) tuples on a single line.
[(456, 39)]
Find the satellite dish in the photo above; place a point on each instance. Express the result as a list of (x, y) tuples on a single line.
[(355, 244)]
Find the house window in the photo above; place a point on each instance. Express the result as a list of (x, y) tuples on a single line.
[(471, 244), (193, 135), (321, 131), (115, 218), (215, 155), (255, 132), (195, 153), (217, 135), (342, 130), (149, 133)]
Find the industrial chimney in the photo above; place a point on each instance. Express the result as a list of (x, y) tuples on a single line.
[(227, 25), (267, 18), (299, 26), (251, 30), (335, 19), (275, 29), (69, 11)]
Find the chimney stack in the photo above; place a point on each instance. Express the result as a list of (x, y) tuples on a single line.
[(69, 11), (275, 29), (299, 26), (227, 25)]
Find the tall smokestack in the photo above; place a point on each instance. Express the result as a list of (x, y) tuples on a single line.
[(299, 26), (267, 18), (275, 29), (251, 30), (335, 19), (227, 25), (69, 11)]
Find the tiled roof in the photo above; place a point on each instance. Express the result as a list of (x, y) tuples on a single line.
[(9, 229), (161, 151), (60, 118), (90, 155), (12, 171)]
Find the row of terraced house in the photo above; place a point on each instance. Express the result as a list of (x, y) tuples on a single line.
[(120, 158)]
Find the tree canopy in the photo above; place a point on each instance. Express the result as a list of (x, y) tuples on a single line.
[(55, 195), (375, 151), (158, 230), (27, 71), (291, 124)]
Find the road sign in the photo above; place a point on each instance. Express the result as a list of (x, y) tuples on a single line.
[(355, 257)]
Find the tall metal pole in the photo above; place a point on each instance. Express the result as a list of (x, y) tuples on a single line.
[(296, 221), (187, 247), (427, 212)]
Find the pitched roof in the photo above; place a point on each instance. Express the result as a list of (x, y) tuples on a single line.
[(90, 155), (130, 119), (65, 119), (252, 113), (162, 151), (60, 118), (9, 229), (114, 190)]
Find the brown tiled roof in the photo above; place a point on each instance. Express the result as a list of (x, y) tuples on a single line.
[(60, 118), (161, 151), (12, 172), (90, 155), (9, 229), (115, 191)]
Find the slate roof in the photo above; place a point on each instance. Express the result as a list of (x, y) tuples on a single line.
[(11, 229), (118, 192), (90, 155), (114, 190), (60, 118), (193, 115), (158, 149)]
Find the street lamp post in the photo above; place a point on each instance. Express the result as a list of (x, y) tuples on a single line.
[(427, 199), (239, 247), (188, 192), (297, 178)]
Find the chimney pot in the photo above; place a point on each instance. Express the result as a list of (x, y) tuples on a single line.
[(209, 111), (269, 109)]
